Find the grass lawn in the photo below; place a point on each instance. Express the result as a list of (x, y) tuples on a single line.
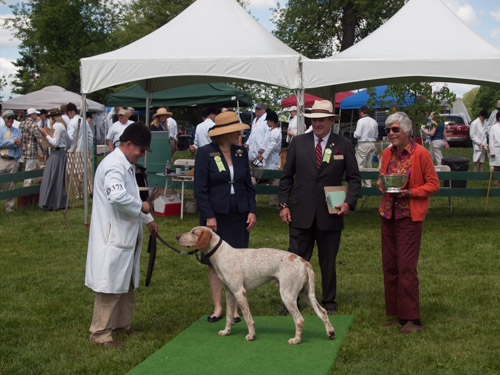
[(45, 309)]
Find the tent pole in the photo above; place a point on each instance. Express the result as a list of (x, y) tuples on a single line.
[(238, 107), (148, 103), (299, 94), (85, 161)]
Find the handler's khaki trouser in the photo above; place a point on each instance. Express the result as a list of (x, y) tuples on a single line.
[(111, 312)]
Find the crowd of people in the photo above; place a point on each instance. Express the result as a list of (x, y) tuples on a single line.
[(36, 139)]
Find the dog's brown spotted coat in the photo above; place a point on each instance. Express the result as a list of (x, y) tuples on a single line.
[(242, 270)]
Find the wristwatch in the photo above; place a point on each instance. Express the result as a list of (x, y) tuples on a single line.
[(283, 205)]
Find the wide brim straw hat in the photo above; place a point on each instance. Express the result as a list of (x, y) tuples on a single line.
[(162, 112), (322, 108), (226, 122)]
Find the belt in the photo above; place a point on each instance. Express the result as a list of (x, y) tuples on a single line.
[(8, 157), (59, 148)]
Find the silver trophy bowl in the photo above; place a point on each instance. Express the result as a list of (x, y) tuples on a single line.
[(393, 183)]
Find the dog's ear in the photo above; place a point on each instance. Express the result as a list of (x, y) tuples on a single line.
[(204, 239)]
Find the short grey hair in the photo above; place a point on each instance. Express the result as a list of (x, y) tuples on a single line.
[(403, 119)]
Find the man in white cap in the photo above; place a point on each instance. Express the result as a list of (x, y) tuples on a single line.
[(256, 143), (315, 160), (31, 139), (10, 152), (117, 129), (292, 124)]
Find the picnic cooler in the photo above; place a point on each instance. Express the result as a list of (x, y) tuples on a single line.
[(456, 163), (167, 205)]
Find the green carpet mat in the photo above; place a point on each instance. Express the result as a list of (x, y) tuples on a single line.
[(199, 350)]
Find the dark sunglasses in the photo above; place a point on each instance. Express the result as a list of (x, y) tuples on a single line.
[(394, 129)]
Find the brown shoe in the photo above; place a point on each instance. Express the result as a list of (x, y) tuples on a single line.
[(411, 327), (111, 344), (392, 322)]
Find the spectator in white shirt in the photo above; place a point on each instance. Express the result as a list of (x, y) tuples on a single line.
[(256, 143), (116, 130), (76, 129), (172, 128), (366, 133), (201, 134)]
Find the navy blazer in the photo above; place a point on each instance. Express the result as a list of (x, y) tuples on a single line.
[(302, 183), (212, 188)]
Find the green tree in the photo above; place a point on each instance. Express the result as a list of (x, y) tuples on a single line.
[(417, 100), (54, 35), (317, 28), (469, 98), (486, 98)]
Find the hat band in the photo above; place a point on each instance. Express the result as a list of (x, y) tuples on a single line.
[(226, 124), (321, 111)]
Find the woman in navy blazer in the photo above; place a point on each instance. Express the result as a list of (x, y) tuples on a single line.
[(224, 193)]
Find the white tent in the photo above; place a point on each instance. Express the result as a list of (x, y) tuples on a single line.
[(424, 41), (210, 41), (50, 97)]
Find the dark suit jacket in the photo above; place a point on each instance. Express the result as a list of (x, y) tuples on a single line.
[(301, 184), (212, 188)]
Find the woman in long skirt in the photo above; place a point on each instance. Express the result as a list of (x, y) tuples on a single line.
[(53, 187)]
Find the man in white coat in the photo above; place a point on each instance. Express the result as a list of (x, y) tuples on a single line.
[(493, 116), (257, 141), (115, 239), (478, 135)]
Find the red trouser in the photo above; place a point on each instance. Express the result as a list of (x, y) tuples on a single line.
[(400, 250)]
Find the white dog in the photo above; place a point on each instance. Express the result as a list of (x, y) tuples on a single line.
[(242, 270)]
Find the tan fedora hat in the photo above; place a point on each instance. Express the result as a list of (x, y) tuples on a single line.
[(226, 122), (162, 112), (322, 108)]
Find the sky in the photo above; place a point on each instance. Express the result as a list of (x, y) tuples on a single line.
[(482, 16)]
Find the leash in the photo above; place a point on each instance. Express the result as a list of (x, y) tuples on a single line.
[(152, 253)]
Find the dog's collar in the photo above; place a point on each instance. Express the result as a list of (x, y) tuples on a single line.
[(212, 252)]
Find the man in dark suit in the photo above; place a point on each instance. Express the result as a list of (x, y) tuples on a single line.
[(315, 160)]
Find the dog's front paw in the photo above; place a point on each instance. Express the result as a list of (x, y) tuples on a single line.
[(224, 332), (250, 337), (294, 341)]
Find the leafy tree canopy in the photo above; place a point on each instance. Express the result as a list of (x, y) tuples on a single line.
[(54, 35), (486, 98), (319, 28), (417, 100)]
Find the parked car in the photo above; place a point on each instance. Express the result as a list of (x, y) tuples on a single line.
[(457, 129)]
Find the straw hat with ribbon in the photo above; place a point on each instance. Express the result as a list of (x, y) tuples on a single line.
[(226, 122), (322, 108), (162, 112)]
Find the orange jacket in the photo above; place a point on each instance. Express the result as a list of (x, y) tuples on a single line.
[(423, 180)]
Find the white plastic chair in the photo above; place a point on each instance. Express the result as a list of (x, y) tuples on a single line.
[(445, 168)]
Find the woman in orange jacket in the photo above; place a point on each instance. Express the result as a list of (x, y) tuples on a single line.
[(403, 214)]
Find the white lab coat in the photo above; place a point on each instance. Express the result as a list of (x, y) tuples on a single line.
[(272, 153), (478, 137), (258, 136), (495, 145), (115, 239)]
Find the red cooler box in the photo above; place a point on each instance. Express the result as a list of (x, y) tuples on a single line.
[(167, 205)]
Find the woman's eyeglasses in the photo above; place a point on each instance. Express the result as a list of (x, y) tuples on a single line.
[(394, 129)]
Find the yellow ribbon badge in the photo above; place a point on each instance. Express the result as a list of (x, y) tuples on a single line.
[(327, 155), (219, 163)]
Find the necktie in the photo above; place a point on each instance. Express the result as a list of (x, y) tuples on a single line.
[(319, 153), (5, 151)]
